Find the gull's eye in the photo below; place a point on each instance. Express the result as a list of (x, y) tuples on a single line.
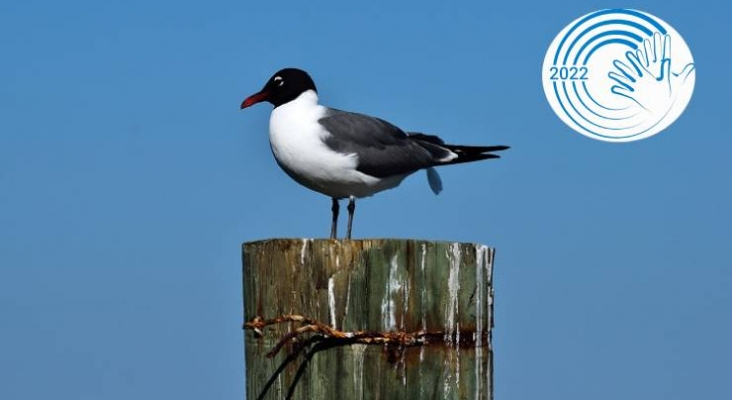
[(278, 81)]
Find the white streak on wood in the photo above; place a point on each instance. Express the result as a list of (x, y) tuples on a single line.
[(348, 300), (359, 350), (303, 251), (405, 301), (452, 367), (423, 293), (481, 257), (331, 302), (453, 286), (388, 305)]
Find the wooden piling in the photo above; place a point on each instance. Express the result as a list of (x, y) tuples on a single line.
[(380, 319)]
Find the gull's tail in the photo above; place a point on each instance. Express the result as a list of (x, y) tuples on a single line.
[(446, 154)]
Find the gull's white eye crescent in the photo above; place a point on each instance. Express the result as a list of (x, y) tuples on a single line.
[(279, 81)]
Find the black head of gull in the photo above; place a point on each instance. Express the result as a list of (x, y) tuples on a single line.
[(284, 86)]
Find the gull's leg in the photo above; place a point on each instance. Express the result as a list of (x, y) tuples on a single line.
[(334, 225), (351, 208)]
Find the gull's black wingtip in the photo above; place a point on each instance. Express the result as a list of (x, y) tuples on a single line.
[(473, 153), (475, 149)]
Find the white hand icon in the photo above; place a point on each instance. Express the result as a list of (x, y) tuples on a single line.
[(647, 79)]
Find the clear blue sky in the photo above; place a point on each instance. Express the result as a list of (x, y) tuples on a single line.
[(129, 179)]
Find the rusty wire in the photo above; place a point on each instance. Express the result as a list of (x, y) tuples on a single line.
[(327, 333)]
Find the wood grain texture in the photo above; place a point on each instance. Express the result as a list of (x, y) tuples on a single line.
[(385, 285)]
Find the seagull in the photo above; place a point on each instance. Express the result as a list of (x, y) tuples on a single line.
[(347, 155)]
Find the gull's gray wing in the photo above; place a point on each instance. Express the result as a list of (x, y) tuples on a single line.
[(383, 149)]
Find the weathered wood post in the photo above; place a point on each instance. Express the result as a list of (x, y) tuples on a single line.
[(368, 319)]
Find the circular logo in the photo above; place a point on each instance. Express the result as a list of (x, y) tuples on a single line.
[(618, 75)]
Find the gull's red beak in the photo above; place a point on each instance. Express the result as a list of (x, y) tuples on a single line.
[(254, 99)]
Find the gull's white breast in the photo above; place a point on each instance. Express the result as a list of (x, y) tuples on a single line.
[(297, 141)]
